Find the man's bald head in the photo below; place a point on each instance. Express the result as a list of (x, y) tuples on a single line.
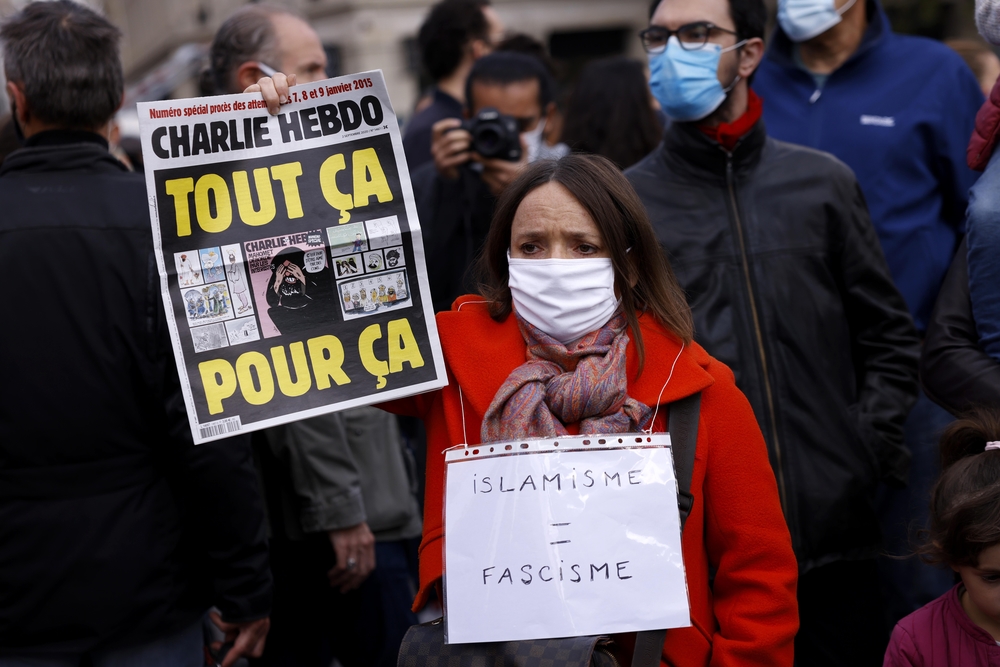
[(263, 34)]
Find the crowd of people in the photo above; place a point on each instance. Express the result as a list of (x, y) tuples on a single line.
[(790, 230)]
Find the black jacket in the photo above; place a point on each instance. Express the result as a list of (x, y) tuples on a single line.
[(455, 218), (954, 370), (114, 527), (789, 287)]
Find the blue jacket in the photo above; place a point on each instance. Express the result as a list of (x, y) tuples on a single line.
[(900, 113)]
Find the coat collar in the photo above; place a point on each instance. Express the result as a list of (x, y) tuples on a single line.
[(481, 353), (690, 150)]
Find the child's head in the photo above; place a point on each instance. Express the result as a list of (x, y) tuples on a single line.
[(965, 508)]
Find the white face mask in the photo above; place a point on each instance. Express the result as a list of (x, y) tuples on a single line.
[(804, 19), (533, 140), (565, 298)]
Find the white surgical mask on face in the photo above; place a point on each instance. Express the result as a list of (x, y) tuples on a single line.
[(804, 19), (533, 140), (565, 298)]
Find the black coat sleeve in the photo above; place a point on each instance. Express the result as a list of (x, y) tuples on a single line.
[(221, 506), (885, 343), (954, 370)]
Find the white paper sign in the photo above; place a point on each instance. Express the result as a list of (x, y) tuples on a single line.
[(561, 538)]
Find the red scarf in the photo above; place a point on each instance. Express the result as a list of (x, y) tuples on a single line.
[(729, 134), (556, 386)]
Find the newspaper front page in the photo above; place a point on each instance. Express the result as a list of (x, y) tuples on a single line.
[(290, 257)]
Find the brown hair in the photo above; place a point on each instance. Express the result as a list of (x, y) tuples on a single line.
[(965, 501), (643, 277)]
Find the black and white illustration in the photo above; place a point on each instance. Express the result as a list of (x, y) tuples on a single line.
[(209, 337), (394, 257), (384, 232), (242, 330)]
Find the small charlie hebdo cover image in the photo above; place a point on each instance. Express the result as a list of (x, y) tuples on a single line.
[(290, 255)]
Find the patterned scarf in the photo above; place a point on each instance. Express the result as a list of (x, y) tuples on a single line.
[(557, 386)]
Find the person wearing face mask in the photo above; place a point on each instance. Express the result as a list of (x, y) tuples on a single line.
[(582, 328), (774, 247), (457, 192), (899, 111)]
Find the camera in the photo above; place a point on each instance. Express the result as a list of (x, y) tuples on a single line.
[(494, 135)]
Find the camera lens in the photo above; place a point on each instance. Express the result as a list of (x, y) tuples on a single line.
[(488, 140)]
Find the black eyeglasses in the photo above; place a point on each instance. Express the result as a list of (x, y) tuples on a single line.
[(692, 36)]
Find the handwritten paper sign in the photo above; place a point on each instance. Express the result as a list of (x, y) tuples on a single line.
[(561, 538)]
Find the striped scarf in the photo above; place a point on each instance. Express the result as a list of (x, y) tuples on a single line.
[(557, 386)]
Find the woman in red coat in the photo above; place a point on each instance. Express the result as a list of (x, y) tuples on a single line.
[(583, 328)]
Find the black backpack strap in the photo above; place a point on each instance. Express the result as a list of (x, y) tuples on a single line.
[(648, 648), (683, 429)]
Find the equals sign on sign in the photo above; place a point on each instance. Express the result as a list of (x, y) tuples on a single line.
[(559, 525)]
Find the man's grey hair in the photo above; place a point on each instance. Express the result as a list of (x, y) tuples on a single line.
[(65, 56), (247, 35)]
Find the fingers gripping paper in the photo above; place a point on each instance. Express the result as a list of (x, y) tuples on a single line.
[(290, 256), (560, 538)]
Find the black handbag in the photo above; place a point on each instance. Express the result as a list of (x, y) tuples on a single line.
[(423, 645)]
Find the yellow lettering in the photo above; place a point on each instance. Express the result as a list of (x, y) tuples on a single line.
[(302, 379), (244, 202), (327, 356), (403, 346), (366, 164), (223, 207), (218, 381), (372, 364), (179, 189), (287, 175), (328, 183), (258, 362)]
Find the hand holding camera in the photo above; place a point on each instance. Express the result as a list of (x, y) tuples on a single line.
[(490, 139)]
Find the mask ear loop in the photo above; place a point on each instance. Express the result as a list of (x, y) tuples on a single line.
[(461, 400), (656, 409)]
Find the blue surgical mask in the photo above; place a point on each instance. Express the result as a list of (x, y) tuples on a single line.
[(686, 83), (804, 19)]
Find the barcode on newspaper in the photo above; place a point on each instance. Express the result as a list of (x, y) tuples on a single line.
[(221, 427)]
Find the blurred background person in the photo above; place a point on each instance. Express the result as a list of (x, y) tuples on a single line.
[(980, 58), (611, 112), (455, 34), (117, 534), (257, 41), (340, 488), (774, 247), (456, 193), (899, 111), (552, 147)]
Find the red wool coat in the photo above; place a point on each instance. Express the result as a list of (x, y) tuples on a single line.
[(749, 616)]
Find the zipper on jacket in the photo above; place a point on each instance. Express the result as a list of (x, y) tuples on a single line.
[(779, 469)]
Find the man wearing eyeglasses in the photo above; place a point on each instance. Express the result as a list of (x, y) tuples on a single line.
[(899, 111), (782, 267)]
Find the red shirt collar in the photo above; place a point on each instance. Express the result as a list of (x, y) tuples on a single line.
[(729, 134)]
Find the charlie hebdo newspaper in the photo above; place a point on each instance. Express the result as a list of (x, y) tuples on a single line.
[(290, 256)]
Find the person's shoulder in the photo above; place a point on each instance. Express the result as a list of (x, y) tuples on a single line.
[(805, 161), (470, 312), (649, 169), (927, 62), (923, 620)]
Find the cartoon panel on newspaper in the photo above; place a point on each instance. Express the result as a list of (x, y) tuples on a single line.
[(292, 282)]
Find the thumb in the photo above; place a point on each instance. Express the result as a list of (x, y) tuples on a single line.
[(222, 625)]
